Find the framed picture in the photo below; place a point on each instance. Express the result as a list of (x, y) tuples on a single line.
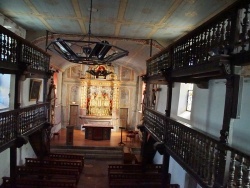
[(35, 86)]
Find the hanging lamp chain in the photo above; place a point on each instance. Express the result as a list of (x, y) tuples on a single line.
[(90, 17)]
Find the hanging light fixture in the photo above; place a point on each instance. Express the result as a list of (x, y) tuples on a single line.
[(87, 52)]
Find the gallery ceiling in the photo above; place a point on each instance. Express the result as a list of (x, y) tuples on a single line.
[(129, 24)]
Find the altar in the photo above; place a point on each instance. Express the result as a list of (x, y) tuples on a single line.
[(97, 131)]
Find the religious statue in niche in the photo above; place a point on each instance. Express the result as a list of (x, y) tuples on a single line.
[(100, 71)]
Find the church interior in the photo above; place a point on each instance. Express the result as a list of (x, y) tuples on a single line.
[(123, 93)]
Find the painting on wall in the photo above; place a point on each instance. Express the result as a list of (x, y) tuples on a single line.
[(35, 86), (124, 100), (125, 74)]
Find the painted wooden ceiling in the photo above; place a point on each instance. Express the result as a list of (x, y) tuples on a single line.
[(129, 24)]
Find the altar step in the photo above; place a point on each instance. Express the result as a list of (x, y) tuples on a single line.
[(93, 152)]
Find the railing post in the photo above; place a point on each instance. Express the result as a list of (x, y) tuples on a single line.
[(13, 159), (232, 87)]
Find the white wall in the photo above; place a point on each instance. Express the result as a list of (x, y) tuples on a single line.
[(241, 133), (177, 173), (25, 151), (4, 164), (215, 107), (161, 101)]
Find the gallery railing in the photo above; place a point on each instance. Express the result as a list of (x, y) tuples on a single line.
[(21, 122), (200, 154), (225, 34), (19, 54)]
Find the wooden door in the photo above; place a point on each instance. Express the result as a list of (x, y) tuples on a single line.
[(73, 116), (124, 117)]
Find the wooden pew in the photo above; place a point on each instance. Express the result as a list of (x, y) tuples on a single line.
[(35, 183), (54, 163), (67, 156), (48, 173), (135, 175), (145, 186), (134, 168)]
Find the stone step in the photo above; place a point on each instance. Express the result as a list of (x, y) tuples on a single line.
[(93, 152)]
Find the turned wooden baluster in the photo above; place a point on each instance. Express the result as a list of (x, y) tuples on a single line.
[(4, 50), (196, 157), (207, 160), (240, 172), (232, 171), (222, 38), (183, 55), (204, 158), (189, 57), (247, 182), (213, 38), (244, 26), (212, 161), (207, 44), (198, 49), (181, 143), (217, 38), (203, 47), (227, 36)]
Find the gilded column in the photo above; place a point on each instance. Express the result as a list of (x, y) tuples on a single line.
[(115, 104), (83, 96)]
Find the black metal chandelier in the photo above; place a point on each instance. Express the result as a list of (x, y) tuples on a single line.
[(87, 52)]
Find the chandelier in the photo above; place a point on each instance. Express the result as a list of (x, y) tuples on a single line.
[(87, 52)]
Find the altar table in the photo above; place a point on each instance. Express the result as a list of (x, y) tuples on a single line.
[(97, 131)]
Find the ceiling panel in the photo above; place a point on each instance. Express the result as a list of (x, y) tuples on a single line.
[(147, 11), (106, 10), (14, 6), (100, 28), (62, 8), (31, 23), (64, 26), (135, 31)]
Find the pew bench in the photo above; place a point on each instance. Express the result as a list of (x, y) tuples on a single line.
[(66, 156), (135, 175), (54, 163), (71, 157), (136, 179), (34, 183), (134, 168), (149, 185), (48, 173)]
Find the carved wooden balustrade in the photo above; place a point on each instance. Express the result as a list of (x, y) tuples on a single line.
[(18, 54), (224, 35), (21, 122), (8, 122), (31, 117), (199, 153), (155, 124)]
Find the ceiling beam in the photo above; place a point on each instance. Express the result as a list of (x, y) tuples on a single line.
[(38, 15), (169, 13), (79, 16), (120, 17)]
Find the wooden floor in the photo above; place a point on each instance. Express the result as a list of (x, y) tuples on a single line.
[(79, 139)]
